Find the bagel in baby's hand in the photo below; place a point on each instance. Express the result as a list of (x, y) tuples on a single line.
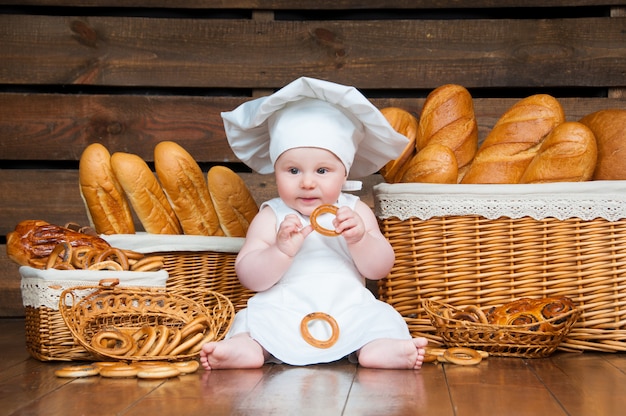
[(233, 202)]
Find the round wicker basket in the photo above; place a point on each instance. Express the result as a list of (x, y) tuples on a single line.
[(107, 307)]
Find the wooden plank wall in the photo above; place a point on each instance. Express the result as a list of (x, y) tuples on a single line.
[(131, 73)]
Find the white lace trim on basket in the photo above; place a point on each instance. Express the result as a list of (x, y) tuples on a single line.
[(43, 288), (143, 242), (584, 200)]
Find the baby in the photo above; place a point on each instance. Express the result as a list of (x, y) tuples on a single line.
[(312, 305)]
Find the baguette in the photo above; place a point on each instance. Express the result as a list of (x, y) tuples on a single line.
[(568, 154), (406, 124), (232, 200), (107, 206), (515, 140), (184, 183), (447, 118), (609, 129), (145, 194), (435, 163)]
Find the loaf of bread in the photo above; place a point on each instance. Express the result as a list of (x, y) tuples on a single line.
[(435, 163), (514, 141), (107, 207), (406, 124), (32, 241), (568, 154), (609, 128), (232, 200), (447, 118), (532, 311), (145, 194), (185, 185)]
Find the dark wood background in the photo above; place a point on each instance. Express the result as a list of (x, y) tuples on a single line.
[(131, 73)]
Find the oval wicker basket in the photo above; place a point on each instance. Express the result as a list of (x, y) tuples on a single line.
[(498, 340), (89, 310)]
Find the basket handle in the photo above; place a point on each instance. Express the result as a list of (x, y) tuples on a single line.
[(108, 283)]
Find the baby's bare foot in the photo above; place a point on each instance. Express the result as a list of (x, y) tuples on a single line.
[(394, 353), (237, 352)]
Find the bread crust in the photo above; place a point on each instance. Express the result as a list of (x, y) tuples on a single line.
[(232, 200), (406, 124), (32, 241), (105, 201), (609, 129), (447, 118), (568, 154), (515, 140), (145, 194), (434, 163), (184, 183)]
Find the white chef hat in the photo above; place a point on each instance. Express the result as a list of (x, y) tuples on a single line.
[(313, 113)]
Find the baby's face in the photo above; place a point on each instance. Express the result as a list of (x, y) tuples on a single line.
[(307, 177)]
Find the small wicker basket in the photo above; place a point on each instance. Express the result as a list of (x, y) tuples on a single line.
[(47, 336), (109, 307), (498, 340), (194, 263), (486, 245)]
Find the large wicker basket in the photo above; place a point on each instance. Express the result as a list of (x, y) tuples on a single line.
[(111, 308), (499, 340), (487, 245), (47, 336), (194, 263)]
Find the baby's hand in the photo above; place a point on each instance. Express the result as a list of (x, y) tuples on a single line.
[(291, 235), (349, 224)]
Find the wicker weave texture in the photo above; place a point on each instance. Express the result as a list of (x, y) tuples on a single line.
[(499, 340), (192, 272), (470, 260), (49, 339), (130, 309)]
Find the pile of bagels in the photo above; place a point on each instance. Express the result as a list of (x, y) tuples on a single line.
[(530, 143), (177, 200)]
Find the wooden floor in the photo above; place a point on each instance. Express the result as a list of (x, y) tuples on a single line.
[(564, 384)]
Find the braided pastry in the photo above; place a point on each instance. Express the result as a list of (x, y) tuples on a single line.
[(528, 311)]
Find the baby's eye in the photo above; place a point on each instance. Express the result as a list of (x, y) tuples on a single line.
[(294, 171), (322, 171)]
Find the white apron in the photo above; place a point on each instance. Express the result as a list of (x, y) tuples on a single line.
[(322, 278)]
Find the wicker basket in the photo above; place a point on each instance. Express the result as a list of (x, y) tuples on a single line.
[(194, 263), (130, 309), (47, 336), (461, 244), (499, 340)]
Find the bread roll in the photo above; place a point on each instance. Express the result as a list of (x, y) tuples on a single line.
[(568, 154), (435, 163), (32, 241), (609, 128), (447, 118), (232, 200), (145, 194), (184, 183), (514, 140), (406, 124), (107, 207)]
